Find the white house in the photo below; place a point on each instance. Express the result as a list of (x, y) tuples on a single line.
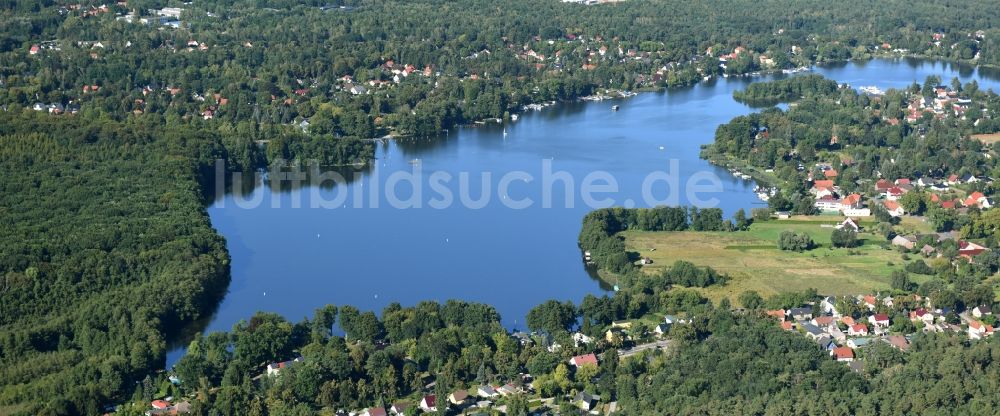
[(274, 368), (429, 403), (486, 392), (982, 310), (879, 320), (979, 330)]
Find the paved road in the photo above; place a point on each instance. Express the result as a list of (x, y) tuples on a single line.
[(661, 344)]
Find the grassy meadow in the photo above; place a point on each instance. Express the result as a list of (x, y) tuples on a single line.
[(754, 262)]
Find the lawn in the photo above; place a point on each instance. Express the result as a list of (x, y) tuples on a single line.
[(754, 262)]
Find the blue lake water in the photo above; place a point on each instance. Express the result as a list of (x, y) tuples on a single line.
[(292, 260)]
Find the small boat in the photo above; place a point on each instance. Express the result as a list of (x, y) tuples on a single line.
[(513, 117), (615, 108), (505, 132), (414, 161)]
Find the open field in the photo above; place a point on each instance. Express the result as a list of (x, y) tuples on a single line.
[(988, 138), (754, 262)]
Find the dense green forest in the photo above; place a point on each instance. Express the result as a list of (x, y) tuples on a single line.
[(107, 248), (789, 89)]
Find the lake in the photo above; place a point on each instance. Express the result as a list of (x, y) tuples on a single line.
[(365, 250)]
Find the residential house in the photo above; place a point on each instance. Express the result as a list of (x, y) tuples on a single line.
[(458, 397), (882, 185), (507, 390), (843, 354), (908, 242), (894, 193), (857, 330), (777, 313), (828, 203), (399, 408), (855, 343), (979, 330), (981, 311), (977, 200), (486, 392), (274, 368), (787, 325), (34, 50), (801, 314), (894, 208), (661, 329), (828, 306), (898, 341), (922, 315), (429, 403), (879, 320), (586, 359), (869, 302), (822, 187), (585, 401), (968, 249), (376, 411), (849, 224), (579, 338), (836, 333), (813, 331), (823, 321)]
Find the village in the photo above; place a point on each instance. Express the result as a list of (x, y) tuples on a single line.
[(555, 53), (890, 319)]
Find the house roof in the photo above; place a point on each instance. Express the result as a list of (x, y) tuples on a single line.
[(852, 199), (800, 311), (843, 352), (883, 184), (786, 325), (460, 395), (824, 320), (776, 313), (584, 359), (377, 411), (891, 205), (429, 400), (881, 317), (859, 328), (830, 173), (823, 184), (898, 341)]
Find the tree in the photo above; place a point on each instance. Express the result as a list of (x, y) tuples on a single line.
[(552, 316), (741, 220), (901, 281), (750, 299), (795, 241), (844, 237), (914, 202)]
